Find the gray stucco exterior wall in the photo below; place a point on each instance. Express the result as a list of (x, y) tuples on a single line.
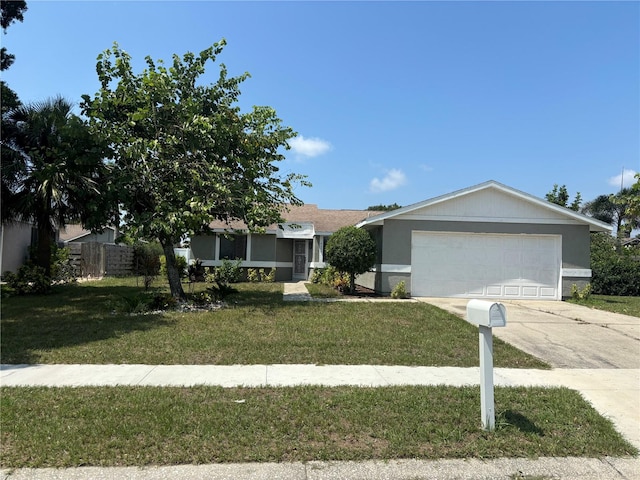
[(15, 240), (394, 247), (396, 240)]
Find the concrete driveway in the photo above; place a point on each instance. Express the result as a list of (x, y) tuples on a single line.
[(563, 334)]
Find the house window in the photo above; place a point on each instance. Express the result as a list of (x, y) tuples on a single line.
[(324, 249), (233, 247)]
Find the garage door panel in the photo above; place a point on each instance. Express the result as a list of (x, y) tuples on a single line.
[(485, 265), (494, 290), (530, 291), (548, 293)]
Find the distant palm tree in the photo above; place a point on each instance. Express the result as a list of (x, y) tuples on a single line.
[(51, 167), (612, 209)]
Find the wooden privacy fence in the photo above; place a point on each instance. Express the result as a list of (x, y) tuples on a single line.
[(93, 259)]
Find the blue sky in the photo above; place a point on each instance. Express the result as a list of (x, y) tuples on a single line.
[(392, 101)]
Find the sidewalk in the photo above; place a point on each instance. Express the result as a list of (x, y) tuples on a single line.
[(463, 469)]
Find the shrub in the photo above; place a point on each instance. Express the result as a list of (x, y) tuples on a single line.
[(29, 279), (341, 282), (351, 250), (222, 278), (332, 277), (146, 261), (400, 290), (163, 301), (578, 294), (328, 275), (253, 275), (181, 265), (317, 275), (62, 271), (228, 272), (615, 271), (197, 272), (132, 305), (270, 277), (202, 298)]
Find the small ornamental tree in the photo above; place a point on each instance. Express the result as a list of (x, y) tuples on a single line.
[(353, 251), (183, 154)]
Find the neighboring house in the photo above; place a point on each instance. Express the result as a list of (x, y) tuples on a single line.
[(294, 248), (17, 237), (631, 242), (486, 241), (15, 240), (77, 234)]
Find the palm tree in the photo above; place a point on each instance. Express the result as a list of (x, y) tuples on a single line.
[(51, 167), (613, 209)]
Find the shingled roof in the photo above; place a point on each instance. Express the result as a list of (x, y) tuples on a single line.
[(324, 221), (74, 231)]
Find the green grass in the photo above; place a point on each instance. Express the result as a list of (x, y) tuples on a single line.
[(319, 290), (77, 324), (61, 427), (610, 303)]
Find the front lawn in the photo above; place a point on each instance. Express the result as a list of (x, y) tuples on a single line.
[(111, 426), (87, 323), (611, 303)]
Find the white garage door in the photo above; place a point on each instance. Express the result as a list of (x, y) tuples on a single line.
[(485, 265)]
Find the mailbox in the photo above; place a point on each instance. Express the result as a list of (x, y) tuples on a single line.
[(486, 314)]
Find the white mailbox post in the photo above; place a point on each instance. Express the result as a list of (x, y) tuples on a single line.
[(486, 315)]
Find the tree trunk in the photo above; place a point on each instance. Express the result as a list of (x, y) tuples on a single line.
[(43, 251), (352, 284), (173, 275)]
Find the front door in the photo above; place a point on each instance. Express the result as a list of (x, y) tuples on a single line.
[(300, 259)]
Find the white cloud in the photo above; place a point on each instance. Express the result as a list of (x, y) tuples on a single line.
[(392, 180), (309, 147), (625, 178)]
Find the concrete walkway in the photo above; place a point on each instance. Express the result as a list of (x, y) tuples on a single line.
[(297, 292)]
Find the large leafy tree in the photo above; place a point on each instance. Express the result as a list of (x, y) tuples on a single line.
[(183, 153), (51, 170), (10, 11), (351, 250)]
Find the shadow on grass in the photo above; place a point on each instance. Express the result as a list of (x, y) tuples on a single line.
[(257, 295), (70, 316), (521, 422), (613, 301)]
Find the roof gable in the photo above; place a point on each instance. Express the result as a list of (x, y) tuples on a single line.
[(489, 202)]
